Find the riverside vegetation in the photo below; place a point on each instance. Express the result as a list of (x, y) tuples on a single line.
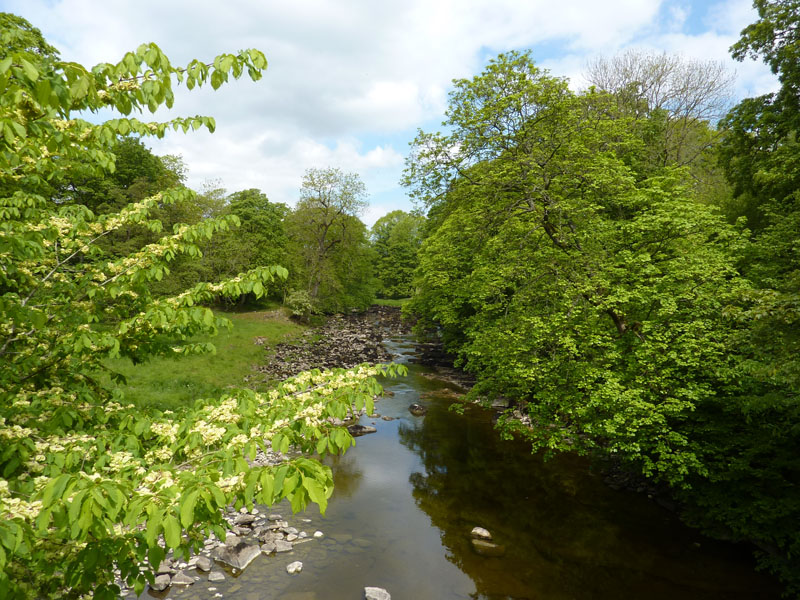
[(613, 263)]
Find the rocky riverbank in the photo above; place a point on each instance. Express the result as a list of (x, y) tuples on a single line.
[(344, 341)]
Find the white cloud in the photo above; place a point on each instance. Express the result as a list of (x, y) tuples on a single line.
[(348, 82)]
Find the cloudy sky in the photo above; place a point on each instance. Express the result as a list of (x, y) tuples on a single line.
[(350, 81)]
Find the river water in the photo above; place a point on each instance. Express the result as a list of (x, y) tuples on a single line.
[(407, 497)]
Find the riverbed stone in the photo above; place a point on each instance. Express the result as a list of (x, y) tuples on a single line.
[(318, 535), (480, 533), (216, 576), (376, 593), (294, 567), (165, 566), (417, 409), (182, 578), (283, 546), (203, 563), (238, 556), (161, 582), (245, 519), (357, 430), (268, 547)]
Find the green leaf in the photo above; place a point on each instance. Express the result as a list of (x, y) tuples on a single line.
[(187, 508), (172, 532)]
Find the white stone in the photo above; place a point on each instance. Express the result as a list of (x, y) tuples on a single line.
[(376, 593), (481, 534), (318, 534), (294, 567)]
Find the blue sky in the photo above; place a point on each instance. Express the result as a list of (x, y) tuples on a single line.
[(349, 82)]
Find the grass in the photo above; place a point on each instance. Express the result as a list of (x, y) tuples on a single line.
[(169, 383), (400, 302)]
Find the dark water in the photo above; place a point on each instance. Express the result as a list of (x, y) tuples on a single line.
[(407, 497)]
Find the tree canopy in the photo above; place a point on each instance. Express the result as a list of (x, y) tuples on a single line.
[(583, 277)]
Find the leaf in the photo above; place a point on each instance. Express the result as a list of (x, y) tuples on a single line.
[(172, 531), (31, 71), (187, 508)]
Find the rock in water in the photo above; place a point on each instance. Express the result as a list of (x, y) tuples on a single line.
[(216, 576), (161, 583), (204, 563), (417, 409), (294, 567), (238, 556), (485, 548), (357, 430), (181, 578), (376, 593), (481, 534)]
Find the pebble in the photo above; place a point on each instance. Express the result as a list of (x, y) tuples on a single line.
[(480, 533), (318, 534)]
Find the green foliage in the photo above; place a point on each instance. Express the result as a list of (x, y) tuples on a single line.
[(396, 238), (604, 299), (88, 482)]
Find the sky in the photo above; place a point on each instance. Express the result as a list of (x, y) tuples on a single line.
[(350, 82)]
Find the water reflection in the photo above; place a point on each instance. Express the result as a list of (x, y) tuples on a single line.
[(566, 534), (348, 474)]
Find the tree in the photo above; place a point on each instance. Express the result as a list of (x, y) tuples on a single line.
[(88, 484), (604, 299), (259, 240), (396, 238), (328, 240)]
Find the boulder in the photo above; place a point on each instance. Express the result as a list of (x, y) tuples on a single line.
[(182, 578), (238, 556), (161, 583), (203, 563), (216, 576), (358, 430)]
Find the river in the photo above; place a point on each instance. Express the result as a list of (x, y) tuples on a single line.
[(407, 497)]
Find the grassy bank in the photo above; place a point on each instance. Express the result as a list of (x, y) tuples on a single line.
[(173, 382)]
